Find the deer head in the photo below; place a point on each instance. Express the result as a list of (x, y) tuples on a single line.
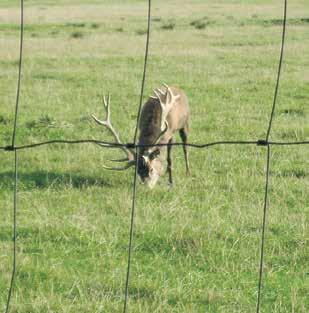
[(149, 159)]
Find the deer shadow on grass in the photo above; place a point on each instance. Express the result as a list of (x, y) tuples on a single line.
[(54, 180)]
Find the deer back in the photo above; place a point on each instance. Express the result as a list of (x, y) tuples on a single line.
[(150, 120)]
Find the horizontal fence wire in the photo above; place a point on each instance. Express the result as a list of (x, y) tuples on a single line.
[(106, 144), (113, 145)]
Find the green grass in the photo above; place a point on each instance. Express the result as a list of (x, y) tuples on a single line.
[(197, 245)]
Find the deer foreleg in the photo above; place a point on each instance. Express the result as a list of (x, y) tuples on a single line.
[(169, 161), (184, 137)]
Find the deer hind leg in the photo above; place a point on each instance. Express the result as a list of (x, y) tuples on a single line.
[(184, 137), (169, 161)]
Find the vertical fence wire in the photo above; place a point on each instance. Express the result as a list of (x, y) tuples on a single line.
[(265, 142), (134, 191), (14, 232), (265, 207), (144, 71), (126, 292), (279, 70), (261, 268), (16, 158), (19, 70)]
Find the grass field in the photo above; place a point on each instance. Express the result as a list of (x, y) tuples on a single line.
[(197, 245)]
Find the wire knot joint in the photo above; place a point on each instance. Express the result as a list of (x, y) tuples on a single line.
[(131, 145), (9, 148), (262, 142)]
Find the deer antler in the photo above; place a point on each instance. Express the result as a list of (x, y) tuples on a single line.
[(107, 123), (169, 90), (167, 100)]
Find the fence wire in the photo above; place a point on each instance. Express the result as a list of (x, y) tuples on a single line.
[(126, 291), (16, 157), (108, 144), (134, 145)]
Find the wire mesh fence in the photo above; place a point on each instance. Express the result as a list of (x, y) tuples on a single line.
[(135, 146)]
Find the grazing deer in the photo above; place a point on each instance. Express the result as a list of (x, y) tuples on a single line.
[(164, 113)]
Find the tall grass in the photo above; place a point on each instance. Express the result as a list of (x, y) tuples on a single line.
[(196, 246)]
